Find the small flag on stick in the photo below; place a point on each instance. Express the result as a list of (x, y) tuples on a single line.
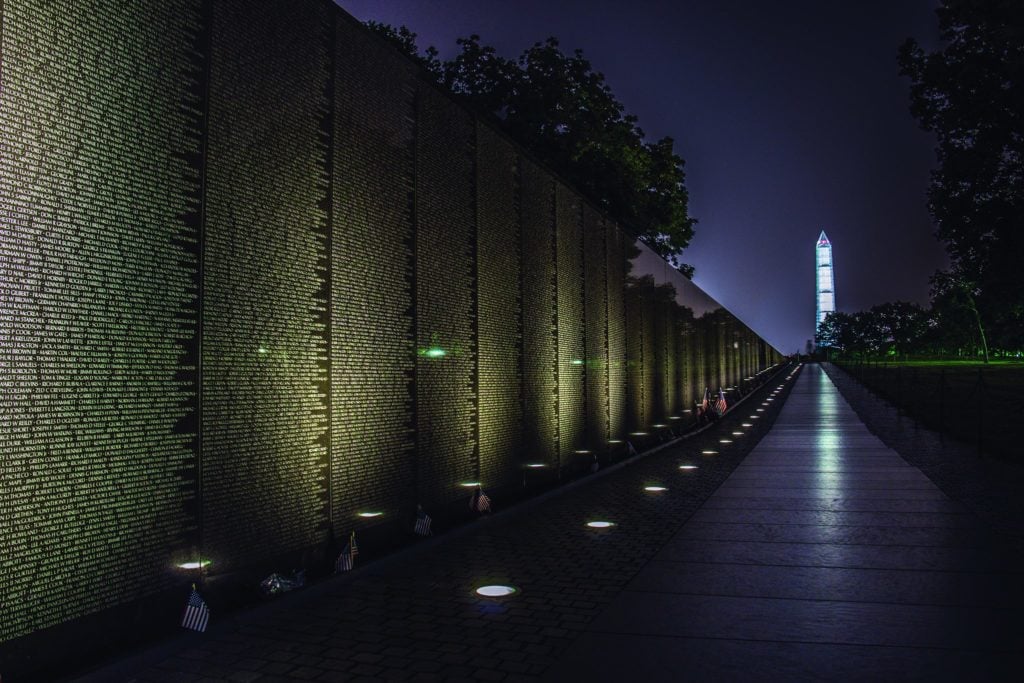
[(347, 559), (480, 502), (720, 404), (422, 522), (197, 614)]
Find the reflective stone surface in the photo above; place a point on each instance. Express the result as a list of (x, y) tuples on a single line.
[(824, 555)]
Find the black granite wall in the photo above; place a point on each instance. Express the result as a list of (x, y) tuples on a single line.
[(260, 278)]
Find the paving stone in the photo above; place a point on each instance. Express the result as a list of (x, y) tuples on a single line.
[(418, 605)]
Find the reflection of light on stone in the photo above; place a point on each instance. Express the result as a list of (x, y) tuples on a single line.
[(724, 441), (194, 565), (370, 514), (638, 434), (581, 452), (263, 349), (675, 417), (600, 525), (495, 591), (687, 411), (737, 433), (710, 452), (659, 426), (469, 484), (614, 441), (687, 467), (760, 410), (655, 488), (536, 464), (747, 424), (577, 361)]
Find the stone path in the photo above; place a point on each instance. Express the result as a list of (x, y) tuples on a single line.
[(823, 556), (818, 554)]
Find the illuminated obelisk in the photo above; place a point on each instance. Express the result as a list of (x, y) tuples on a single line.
[(826, 289)]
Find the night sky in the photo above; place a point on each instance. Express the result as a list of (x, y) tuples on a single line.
[(791, 117)]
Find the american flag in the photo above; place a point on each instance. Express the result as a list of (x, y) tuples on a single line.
[(479, 502), (422, 523), (704, 404), (197, 614), (720, 404), (346, 560)]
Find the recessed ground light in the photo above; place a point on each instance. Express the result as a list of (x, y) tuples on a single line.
[(687, 467), (737, 433), (600, 525), (370, 514), (469, 484), (755, 417), (614, 441), (659, 426), (760, 410), (687, 411), (724, 441), (709, 452), (581, 452), (638, 434), (194, 565), (655, 488), (536, 464), (496, 591), (675, 417), (747, 424)]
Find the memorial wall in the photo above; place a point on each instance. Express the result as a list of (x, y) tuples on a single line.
[(259, 276)]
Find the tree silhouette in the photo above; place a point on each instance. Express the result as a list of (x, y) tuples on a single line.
[(970, 93), (564, 112)]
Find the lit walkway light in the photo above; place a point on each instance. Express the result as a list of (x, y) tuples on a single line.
[(496, 591), (709, 452), (724, 441), (535, 465), (194, 565), (469, 484), (655, 488), (687, 467), (747, 424), (370, 514), (737, 433), (600, 525)]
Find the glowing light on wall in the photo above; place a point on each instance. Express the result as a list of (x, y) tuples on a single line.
[(194, 565), (433, 352)]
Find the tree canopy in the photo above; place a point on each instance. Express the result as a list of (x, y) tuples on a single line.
[(562, 110), (970, 93)]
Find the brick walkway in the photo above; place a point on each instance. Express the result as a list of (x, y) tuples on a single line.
[(822, 555)]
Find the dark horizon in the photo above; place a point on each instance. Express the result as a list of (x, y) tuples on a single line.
[(792, 120)]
